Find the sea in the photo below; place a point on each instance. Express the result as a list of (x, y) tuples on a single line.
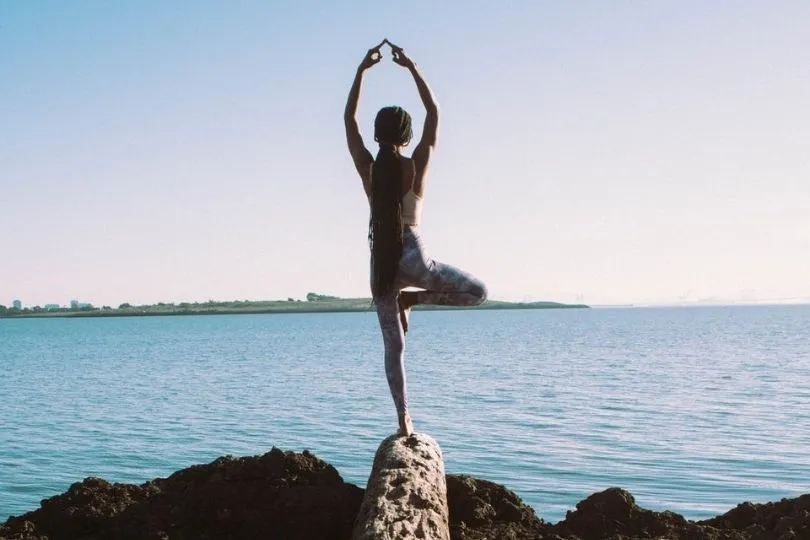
[(691, 409)]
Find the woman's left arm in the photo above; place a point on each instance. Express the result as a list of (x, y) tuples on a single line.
[(360, 155)]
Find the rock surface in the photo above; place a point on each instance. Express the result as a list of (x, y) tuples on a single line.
[(406, 494), (482, 510), (291, 496), (278, 495)]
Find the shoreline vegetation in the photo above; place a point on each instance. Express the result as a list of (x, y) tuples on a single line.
[(314, 303)]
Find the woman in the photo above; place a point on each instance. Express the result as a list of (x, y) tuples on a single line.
[(395, 187)]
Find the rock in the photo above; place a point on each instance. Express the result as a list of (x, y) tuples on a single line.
[(406, 495), (286, 495), (788, 518), (613, 514), (277, 495), (480, 510)]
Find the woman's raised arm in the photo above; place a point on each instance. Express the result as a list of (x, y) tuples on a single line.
[(430, 131), (360, 155)]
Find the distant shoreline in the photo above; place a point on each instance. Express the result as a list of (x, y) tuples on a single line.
[(331, 305)]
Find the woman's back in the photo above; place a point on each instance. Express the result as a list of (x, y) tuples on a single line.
[(411, 194)]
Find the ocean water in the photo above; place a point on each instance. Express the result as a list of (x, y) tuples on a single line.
[(692, 409)]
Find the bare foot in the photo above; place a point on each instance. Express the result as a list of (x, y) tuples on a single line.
[(405, 425), (405, 301)]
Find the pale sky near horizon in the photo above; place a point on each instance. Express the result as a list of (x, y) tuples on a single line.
[(603, 152)]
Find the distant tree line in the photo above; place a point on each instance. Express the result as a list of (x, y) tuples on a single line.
[(8, 311), (161, 306), (313, 297)]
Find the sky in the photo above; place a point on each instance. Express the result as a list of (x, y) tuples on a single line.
[(621, 152)]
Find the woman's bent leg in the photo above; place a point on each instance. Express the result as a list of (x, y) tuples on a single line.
[(446, 285)]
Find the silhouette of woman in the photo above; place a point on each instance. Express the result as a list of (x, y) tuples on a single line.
[(395, 188)]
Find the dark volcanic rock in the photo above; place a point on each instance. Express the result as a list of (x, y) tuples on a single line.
[(482, 510), (290, 496), (787, 519), (613, 514), (278, 495)]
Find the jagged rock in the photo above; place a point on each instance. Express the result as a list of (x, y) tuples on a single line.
[(406, 495), (480, 510), (613, 515), (787, 519), (277, 495), (289, 496)]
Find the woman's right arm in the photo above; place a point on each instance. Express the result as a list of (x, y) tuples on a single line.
[(430, 131)]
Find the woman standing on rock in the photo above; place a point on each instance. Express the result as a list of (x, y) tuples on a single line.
[(395, 187)]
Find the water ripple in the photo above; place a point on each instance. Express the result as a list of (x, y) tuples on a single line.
[(693, 410)]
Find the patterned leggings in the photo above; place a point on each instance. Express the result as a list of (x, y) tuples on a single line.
[(444, 285)]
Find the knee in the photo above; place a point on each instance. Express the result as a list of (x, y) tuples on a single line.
[(393, 362), (394, 348), (481, 292)]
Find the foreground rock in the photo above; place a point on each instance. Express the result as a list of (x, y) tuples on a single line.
[(614, 515), (291, 496), (406, 494), (482, 510), (277, 495)]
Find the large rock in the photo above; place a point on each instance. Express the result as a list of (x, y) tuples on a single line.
[(482, 510), (406, 495), (291, 496), (282, 495)]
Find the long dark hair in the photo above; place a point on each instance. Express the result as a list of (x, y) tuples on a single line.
[(392, 128)]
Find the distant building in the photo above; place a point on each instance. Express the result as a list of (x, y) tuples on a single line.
[(74, 304), (51, 307), (17, 304)]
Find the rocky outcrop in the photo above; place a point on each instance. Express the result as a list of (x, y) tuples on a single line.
[(278, 495), (482, 510), (406, 494), (613, 515), (786, 519), (291, 496)]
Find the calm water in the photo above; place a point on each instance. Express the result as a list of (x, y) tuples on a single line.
[(692, 410)]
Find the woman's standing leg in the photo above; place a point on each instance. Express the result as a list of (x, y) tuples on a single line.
[(444, 284), (393, 335), (394, 342)]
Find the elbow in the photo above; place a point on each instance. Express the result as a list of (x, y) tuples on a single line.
[(350, 111)]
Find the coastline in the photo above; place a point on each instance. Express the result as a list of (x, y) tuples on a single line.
[(338, 305), (297, 496)]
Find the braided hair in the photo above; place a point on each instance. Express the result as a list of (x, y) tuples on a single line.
[(392, 128)]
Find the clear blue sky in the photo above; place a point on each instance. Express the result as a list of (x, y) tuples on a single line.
[(608, 152)]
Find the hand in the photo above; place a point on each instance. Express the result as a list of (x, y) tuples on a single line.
[(399, 55), (372, 57)]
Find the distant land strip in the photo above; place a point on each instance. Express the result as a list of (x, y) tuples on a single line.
[(315, 303)]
